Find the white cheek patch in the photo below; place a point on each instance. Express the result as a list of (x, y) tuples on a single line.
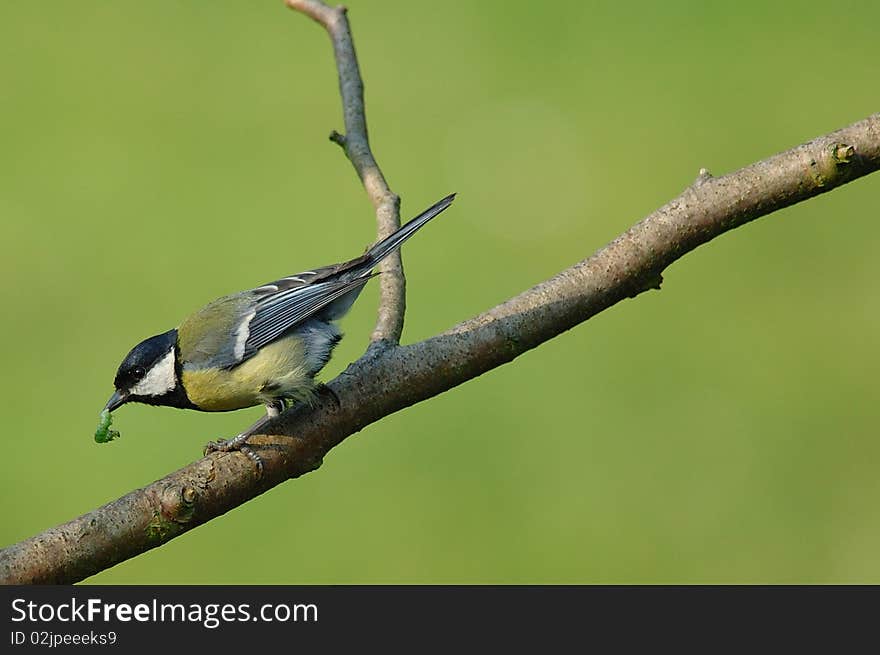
[(159, 380)]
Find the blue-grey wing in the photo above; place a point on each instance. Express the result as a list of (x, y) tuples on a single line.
[(288, 302), (324, 293)]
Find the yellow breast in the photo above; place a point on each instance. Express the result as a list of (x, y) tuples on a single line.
[(276, 371)]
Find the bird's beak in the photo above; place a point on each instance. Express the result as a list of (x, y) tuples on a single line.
[(116, 401)]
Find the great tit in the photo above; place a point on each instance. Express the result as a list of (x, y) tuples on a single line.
[(260, 346)]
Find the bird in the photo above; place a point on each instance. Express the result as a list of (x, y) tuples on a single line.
[(264, 345)]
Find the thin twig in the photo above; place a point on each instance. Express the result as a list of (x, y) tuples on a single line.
[(356, 144)]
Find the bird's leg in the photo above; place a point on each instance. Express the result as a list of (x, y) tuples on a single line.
[(274, 408), (238, 443)]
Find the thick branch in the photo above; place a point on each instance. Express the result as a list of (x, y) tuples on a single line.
[(355, 142), (389, 380)]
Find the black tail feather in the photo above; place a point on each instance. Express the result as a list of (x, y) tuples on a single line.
[(391, 243)]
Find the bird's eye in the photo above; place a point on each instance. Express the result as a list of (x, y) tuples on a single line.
[(139, 372)]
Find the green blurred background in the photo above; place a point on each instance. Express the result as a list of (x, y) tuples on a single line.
[(157, 155)]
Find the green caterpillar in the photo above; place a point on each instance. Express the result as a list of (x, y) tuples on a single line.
[(103, 433)]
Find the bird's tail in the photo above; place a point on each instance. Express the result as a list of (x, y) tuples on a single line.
[(391, 243)]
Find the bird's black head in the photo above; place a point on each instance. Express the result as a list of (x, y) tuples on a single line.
[(149, 374)]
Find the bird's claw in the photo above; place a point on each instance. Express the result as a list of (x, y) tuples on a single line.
[(256, 459), (213, 446), (236, 443)]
